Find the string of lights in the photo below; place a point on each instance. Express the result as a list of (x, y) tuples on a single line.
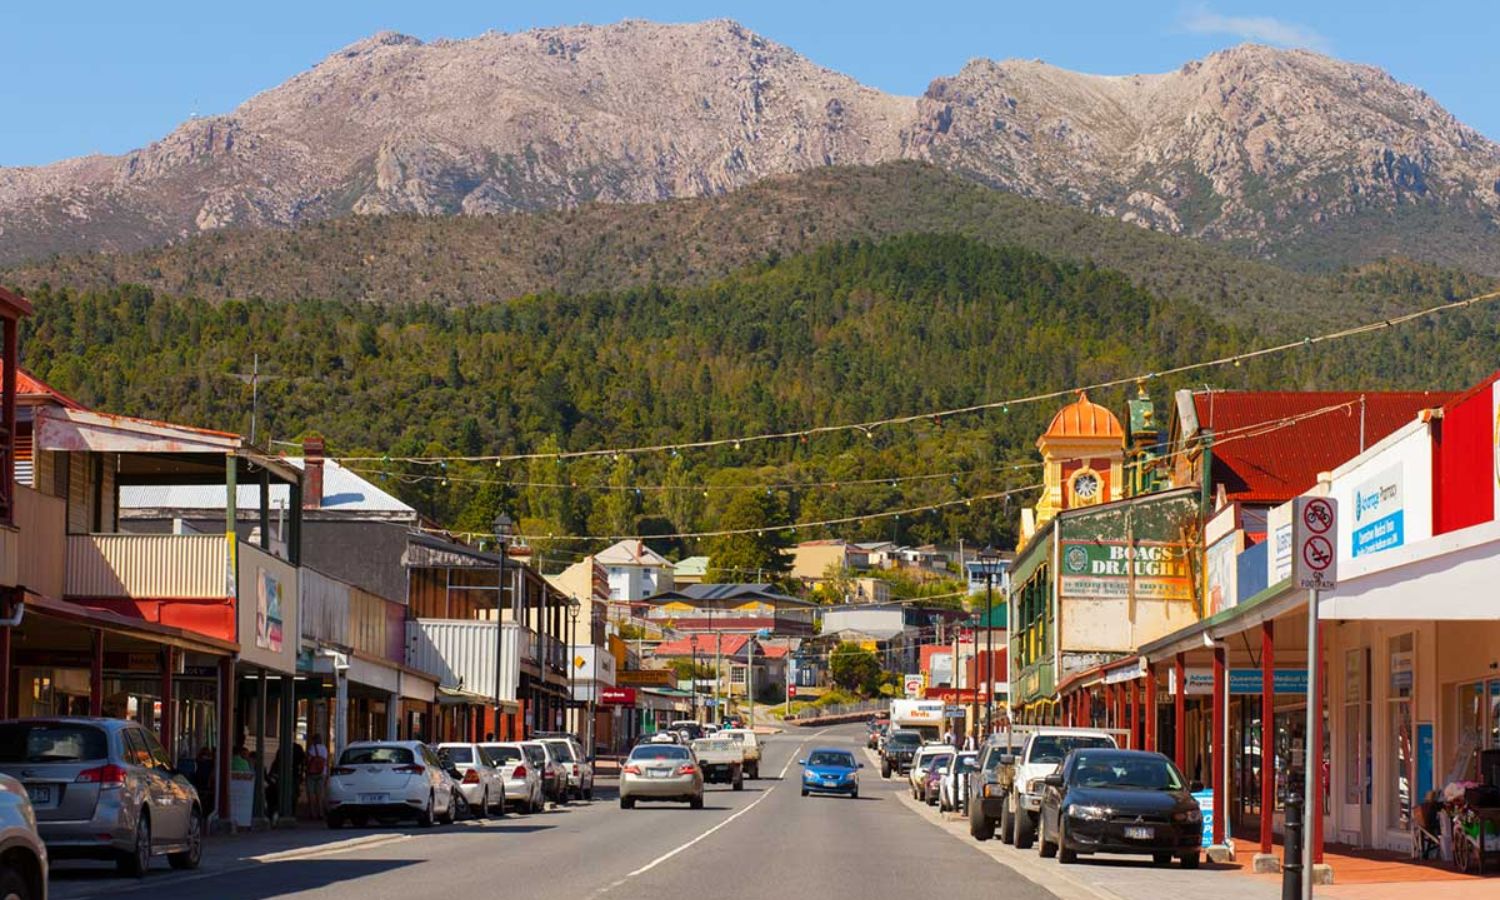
[(868, 428), (1227, 436)]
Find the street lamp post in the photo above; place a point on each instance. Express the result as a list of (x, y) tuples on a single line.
[(694, 675), (504, 528), (989, 651), (573, 608)]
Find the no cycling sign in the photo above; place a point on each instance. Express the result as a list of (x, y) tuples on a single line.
[(1314, 542)]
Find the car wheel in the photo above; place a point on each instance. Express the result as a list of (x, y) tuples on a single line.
[(885, 770), (1024, 832), (854, 794), (1045, 849), (138, 860), (1161, 859), (482, 811), (334, 820), (424, 818), (981, 827), (589, 794), (1190, 860), (1064, 855), (456, 807), (739, 780), (189, 858), (804, 792), (627, 803), (696, 802)]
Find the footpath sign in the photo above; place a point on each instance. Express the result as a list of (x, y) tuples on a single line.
[(1314, 537), (1206, 807)]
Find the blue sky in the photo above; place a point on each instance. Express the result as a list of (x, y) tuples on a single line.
[(82, 77)]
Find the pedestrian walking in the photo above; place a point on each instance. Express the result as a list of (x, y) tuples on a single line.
[(949, 739), (317, 774)]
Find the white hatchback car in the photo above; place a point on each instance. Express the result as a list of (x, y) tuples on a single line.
[(389, 780), (482, 785), (523, 780), (577, 768)]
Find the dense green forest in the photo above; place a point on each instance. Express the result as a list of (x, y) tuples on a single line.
[(853, 331)]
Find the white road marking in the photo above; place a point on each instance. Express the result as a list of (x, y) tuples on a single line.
[(363, 843), (681, 847)]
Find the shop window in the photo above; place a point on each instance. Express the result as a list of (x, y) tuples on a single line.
[(1494, 713), (1403, 748)]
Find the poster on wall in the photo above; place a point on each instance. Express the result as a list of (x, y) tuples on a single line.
[(1148, 571), (1220, 574), (268, 612)]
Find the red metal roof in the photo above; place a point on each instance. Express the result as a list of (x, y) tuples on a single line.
[(1273, 465), (731, 645), (28, 385)]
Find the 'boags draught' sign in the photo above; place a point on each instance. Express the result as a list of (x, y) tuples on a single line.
[(1145, 570)]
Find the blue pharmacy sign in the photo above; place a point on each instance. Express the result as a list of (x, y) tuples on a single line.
[(1424, 759), (1206, 806)]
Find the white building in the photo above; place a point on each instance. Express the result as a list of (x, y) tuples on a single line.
[(635, 571)]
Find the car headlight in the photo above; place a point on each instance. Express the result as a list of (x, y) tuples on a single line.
[(1035, 785), (1089, 813), (1192, 816)]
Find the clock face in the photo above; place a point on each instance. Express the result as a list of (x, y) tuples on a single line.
[(1086, 486)]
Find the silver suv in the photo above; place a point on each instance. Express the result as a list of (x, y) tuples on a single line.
[(104, 789)]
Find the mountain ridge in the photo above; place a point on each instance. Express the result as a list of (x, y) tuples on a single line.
[(1284, 155)]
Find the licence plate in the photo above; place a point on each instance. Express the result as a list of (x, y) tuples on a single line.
[(39, 793), (829, 782), (373, 798), (660, 773), (1139, 832)]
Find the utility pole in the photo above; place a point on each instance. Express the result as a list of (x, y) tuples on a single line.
[(750, 677), (989, 651), (718, 671)]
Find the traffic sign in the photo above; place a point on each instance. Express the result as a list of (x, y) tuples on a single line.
[(1314, 543), (913, 685), (791, 690)]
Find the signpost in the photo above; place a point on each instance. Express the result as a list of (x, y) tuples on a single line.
[(1314, 568)]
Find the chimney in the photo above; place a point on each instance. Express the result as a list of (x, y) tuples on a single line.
[(312, 473)]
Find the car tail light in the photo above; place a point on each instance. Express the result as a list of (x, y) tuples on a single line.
[(631, 770), (412, 769), (686, 769), (108, 776), (471, 776), (518, 772), (575, 770), (342, 770)]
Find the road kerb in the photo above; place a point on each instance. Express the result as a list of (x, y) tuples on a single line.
[(1052, 878)]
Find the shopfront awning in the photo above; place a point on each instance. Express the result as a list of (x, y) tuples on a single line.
[(1450, 577), (71, 615), (1269, 605), (457, 697)]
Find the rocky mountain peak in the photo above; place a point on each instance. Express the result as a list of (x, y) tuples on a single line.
[(1265, 149)]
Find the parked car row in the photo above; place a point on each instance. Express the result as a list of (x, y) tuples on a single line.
[(1072, 792), (394, 780)]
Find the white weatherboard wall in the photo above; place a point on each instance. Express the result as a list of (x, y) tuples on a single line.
[(460, 653)]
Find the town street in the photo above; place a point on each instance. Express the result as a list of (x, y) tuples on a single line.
[(764, 841)]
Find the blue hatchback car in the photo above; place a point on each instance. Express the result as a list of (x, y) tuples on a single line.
[(830, 771)]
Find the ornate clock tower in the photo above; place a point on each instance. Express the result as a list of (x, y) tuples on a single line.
[(1082, 456)]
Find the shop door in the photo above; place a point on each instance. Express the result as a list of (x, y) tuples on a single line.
[(1354, 804)]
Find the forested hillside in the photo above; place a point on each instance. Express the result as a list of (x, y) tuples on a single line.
[(850, 332)]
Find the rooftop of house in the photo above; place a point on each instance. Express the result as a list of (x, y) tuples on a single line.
[(31, 388), (631, 553), (692, 566), (343, 491), (730, 645), (1258, 463), (707, 592)]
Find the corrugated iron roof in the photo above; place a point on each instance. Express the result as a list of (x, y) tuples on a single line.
[(631, 553), (343, 491), (28, 385), (1277, 464)]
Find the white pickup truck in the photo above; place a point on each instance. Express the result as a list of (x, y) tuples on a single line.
[(1041, 753), (751, 745)]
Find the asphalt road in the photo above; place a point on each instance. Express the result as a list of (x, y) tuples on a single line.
[(767, 840)]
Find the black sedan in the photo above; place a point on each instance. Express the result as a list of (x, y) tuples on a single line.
[(1120, 801)]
